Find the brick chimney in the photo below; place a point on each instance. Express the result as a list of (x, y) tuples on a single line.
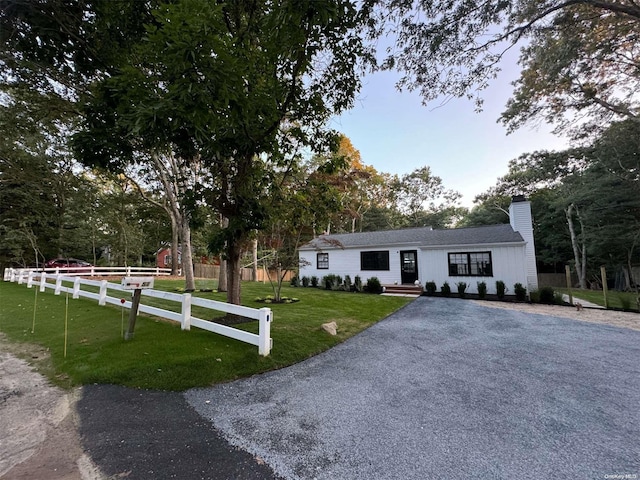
[(522, 222)]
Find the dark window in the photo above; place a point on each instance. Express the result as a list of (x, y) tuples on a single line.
[(323, 261), (378, 260), (476, 264)]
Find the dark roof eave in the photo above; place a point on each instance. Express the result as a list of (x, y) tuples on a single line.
[(466, 245)]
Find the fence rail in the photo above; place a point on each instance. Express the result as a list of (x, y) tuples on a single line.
[(264, 316), (88, 271)]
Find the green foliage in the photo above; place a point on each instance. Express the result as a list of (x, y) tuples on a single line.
[(482, 289), (501, 289), (462, 288), (305, 281), (615, 299), (534, 295), (347, 283), (547, 295), (574, 55), (374, 285), (314, 281), (332, 282), (575, 69), (430, 288), (445, 289), (295, 281), (594, 187), (161, 356), (357, 284), (520, 292)]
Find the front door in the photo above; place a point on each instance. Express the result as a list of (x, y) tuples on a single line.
[(409, 266)]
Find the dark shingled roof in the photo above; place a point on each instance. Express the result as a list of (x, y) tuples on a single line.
[(420, 237)]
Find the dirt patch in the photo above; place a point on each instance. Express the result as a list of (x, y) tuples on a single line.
[(593, 315), (38, 423)]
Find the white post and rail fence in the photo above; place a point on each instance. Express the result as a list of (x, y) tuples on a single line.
[(185, 301)]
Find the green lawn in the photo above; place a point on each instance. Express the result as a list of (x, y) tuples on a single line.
[(626, 300), (161, 356)]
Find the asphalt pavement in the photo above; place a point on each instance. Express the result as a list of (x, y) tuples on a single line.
[(441, 389)]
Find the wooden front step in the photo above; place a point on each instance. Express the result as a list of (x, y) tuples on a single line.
[(403, 289)]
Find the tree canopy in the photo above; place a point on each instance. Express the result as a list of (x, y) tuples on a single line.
[(579, 57)]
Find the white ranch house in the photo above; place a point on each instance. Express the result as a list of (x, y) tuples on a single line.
[(488, 253)]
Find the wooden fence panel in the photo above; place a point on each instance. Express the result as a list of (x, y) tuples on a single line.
[(201, 270)]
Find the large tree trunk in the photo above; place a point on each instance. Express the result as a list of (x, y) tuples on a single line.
[(222, 278), (175, 245), (579, 254), (233, 273), (254, 254), (187, 259)]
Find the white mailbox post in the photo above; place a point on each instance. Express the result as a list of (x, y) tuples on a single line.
[(136, 284)]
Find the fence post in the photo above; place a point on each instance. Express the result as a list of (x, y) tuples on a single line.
[(43, 281), (185, 322), (603, 275), (21, 277), (58, 284), (103, 293), (30, 279), (567, 273), (264, 337), (76, 288)]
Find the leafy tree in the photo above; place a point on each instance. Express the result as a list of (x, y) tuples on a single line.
[(422, 198), (349, 188), (238, 86), (585, 66), (578, 56), (586, 199)]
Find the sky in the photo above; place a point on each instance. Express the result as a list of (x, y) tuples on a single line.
[(395, 133)]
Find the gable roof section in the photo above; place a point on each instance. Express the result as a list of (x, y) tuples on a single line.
[(418, 237)]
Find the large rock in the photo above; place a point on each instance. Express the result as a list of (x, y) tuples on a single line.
[(331, 328)]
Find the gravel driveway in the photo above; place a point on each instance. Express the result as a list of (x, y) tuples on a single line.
[(446, 389)]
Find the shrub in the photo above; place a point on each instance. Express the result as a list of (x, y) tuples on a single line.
[(314, 281), (445, 289), (357, 284), (295, 281), (482, 289), (462, 287), (374, 285), (534, 296), (625, 302), (430, 287), (501, 289), (305, 281), (547, 295), (347, 283), (520, 291), (328, 281), (337, 283)]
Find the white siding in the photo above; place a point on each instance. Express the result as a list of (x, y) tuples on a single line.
[(347, 262), (508, 266), (521, 221)]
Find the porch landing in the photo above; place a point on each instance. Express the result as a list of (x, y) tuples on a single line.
[(403, 290)]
